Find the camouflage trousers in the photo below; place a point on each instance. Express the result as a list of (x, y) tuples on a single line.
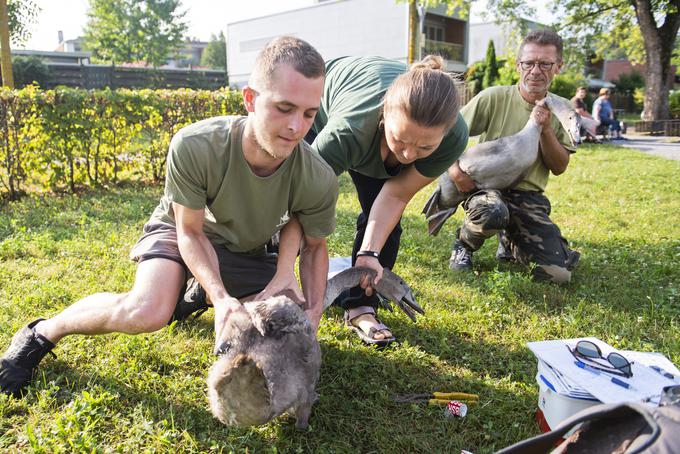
[(522, 221)]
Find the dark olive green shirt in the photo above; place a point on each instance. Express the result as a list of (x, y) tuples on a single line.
[(501, 111), (347, 124), (207, 169)]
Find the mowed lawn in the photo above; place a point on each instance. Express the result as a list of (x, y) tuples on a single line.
[(147, 393)]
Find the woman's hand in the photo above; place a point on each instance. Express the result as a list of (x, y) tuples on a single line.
[(372, 263)]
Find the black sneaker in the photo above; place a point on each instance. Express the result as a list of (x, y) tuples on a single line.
[(573, 260), (461, 258), (502, 253), (194, 301), (18, 364)]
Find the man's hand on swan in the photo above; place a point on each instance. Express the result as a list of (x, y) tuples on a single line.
[(462, 180), (541, 114)]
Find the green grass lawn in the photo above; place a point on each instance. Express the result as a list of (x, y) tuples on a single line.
[(147, 393)]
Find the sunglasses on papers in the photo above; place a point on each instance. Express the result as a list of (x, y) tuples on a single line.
[(589, 351)]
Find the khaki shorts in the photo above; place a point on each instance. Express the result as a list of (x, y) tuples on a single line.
[(242, 274)]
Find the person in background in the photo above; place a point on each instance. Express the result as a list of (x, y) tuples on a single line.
[(588, 123), (604, 113)]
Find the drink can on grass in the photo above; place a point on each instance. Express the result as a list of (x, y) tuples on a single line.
[(455, 408)]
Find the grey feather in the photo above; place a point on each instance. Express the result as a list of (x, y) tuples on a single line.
[(267, 365)]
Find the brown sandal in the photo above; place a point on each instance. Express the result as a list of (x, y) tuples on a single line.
[(368, 338)]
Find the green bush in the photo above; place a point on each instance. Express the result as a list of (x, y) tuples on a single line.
[(630, 81), (29, 70), (674, 103), (475, 75), (69, 138), (478, 74), (565, 84), (507, 72), (491, 67)]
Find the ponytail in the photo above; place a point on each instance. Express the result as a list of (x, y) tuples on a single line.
[(425, 93)]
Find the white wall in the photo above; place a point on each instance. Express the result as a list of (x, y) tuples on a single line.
[(480, 34), (334, 28), (506, 38)]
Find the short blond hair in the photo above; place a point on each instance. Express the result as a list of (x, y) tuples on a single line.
[(289, 50), (604, 91), (425, 93)]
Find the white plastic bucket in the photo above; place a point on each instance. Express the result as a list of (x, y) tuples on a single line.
[(557, 407)]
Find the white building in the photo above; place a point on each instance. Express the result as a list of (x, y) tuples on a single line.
[(506, 38), (338, 28)]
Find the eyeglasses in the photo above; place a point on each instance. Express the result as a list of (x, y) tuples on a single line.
[(542, 65), (590, 351)]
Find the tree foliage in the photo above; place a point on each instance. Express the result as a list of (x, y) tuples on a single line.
[(490, 66), (215, 54), (21, 15), (645, 30), (127, 31)]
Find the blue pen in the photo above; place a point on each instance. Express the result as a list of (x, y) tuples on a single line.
[(547, 383), (584, 366), (621, 383), (663, 372), (614, 380)]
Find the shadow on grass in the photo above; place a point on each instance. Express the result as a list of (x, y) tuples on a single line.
[(355, 409), (622, 274), (361, 381)]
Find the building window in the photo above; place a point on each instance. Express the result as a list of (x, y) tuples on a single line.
[(434, 32)]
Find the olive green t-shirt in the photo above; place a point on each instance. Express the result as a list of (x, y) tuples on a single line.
[(206, 168), (347, 124), (501, 111)]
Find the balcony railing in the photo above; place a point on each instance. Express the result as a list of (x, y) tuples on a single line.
[(448, 51)]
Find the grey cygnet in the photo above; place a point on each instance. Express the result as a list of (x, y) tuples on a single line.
[(268, 364), (269, 361)]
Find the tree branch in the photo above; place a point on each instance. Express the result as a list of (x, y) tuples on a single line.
[(594, 13), (669, 30)]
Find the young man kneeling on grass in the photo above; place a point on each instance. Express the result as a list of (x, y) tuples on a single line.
[(232, 183)]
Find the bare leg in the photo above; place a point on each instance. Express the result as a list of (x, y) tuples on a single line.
[(145, 308)]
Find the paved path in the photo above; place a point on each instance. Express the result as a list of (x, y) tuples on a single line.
[(664, 146)]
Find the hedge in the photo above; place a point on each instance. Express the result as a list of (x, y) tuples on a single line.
[(66, 138)]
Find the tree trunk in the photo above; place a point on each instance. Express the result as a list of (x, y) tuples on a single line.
[(659, 44), (413, 30), (5, 52), (72, 173)]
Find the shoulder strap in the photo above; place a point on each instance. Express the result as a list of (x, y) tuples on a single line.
[(545, 442)]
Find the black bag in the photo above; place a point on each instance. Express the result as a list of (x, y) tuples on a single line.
[(627, 428)]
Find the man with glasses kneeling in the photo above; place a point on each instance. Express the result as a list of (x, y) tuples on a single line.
[(519, 215)]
